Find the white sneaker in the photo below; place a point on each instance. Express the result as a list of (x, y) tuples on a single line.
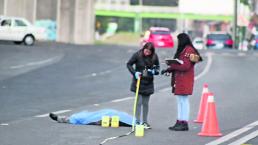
[(146, 125)]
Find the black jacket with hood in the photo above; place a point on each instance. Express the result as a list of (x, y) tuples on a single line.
[(138, 63)]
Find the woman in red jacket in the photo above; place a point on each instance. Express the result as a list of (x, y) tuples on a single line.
[(182, 79)]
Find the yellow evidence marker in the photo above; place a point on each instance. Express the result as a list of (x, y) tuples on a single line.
[(105, 121), (139, 130), (115, 121)]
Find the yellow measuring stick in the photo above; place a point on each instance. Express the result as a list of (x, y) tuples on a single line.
[(135, 102)]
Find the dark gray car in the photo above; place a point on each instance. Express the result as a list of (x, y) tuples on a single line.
[(219, 40)]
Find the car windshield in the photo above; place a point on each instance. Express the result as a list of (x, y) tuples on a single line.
[(161, 32), (219, 36)]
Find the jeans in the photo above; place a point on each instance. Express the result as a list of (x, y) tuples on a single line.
[(183, 107)]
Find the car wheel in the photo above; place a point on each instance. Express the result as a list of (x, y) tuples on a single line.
[(29, 40)]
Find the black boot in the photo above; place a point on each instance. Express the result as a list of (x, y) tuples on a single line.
[(176, 125), (53, 116), (182, 127)]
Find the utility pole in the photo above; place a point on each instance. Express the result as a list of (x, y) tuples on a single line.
[(140, 17), (235, 25), (255, 6)]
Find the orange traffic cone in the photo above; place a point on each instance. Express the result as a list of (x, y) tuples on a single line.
[(210, 125), (203, 104)]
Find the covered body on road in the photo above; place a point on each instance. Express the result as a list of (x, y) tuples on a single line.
[(94, 118)]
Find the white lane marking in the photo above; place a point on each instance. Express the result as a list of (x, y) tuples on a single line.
[(207, 67), (205, 70), (165, 89), (94, 74), (124, 99), (35, 63), (241, 54), (226, 54), (233, 134), (105, 72), (96, 104), (17, 66), (56, 112), (4, 124), (43, 61), (245, 138)]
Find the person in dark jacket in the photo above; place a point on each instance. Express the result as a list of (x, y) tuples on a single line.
[(143, 64), (182, 80)]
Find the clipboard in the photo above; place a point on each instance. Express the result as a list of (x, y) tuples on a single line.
[(169, 61)]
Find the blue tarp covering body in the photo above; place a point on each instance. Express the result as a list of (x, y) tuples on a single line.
[(86, 117)]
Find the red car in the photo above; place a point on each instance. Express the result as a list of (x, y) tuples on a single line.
[(159, 36)]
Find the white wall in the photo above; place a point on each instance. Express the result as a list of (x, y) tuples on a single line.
[(21, 8), (208, 7), (75, 21), (1, 7)]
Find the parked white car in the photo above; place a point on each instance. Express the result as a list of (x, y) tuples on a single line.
[(198, 43), (20, 31)]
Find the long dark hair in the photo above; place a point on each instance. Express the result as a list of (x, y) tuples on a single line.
[(183, 41), (149, 46), (150, 59)]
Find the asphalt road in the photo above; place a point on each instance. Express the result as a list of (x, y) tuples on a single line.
[(34, 79), (51, 77)]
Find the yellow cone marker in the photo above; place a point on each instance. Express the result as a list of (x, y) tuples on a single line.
[(115, 121), (105, 121), (139, 130)]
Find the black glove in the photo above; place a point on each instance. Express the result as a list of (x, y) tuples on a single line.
[(156, 72), (164, 71)]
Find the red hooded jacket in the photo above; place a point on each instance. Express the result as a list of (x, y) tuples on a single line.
[(182, 79)]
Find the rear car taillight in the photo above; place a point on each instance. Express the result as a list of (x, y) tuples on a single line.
[(229, 42), (209, 42)]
